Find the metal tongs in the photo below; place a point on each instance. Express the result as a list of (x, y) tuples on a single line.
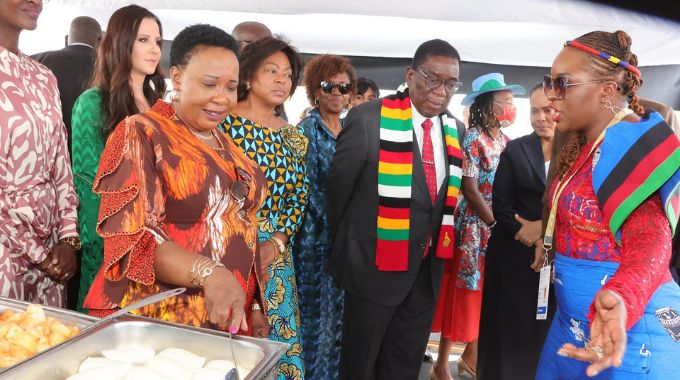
[(233, 373)]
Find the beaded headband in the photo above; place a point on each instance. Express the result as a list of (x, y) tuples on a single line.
[(605, 56)]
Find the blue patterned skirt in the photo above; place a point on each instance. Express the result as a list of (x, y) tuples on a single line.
[(653, 350)]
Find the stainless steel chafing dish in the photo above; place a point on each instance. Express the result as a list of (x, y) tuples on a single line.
[(130, 331), (67, 317)]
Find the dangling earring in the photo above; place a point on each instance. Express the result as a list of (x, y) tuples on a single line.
[(175, 96), (247, 86), (608, 105), (316, 102)]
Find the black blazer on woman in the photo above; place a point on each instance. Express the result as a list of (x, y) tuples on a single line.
[(517, 189)]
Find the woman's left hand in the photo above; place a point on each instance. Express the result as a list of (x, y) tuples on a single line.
[(60, 263), (607, 335), (260, 324)]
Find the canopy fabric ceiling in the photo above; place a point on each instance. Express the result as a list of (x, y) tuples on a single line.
[(518, 32)]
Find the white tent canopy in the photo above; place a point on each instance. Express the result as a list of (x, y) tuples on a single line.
[(518, 32)]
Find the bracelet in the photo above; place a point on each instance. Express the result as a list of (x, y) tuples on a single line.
[(278, 243), (73, 241), (203, 267), (492, 224)]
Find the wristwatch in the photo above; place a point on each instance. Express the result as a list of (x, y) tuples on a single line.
[(73, 241)]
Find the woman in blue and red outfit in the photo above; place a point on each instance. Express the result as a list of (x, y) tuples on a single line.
[(613, 211)]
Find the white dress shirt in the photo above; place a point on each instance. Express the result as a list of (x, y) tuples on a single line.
[(437, 143)]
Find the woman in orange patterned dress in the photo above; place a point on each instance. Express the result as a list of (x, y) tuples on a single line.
[(179, 202)]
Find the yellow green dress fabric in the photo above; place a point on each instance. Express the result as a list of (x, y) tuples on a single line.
[(280, 154)]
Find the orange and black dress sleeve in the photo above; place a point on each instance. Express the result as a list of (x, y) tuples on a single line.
[(132, 203)]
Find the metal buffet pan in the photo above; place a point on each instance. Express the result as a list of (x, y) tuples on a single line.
[(132, 331), (68, 317)]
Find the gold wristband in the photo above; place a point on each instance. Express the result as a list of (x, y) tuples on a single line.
[(202, 269), (278, 243)]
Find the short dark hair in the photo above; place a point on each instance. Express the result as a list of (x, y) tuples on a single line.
[(191, 37), (256, 52), (434, 47), (363, 84), (323, 67), (538, 86)]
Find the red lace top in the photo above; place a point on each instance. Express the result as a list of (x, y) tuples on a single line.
[(582, 233)]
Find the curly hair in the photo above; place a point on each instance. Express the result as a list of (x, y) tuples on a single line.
[(255, 53), (323, 67), (114, 65), (191, 37), (482, 116), (616, 44)]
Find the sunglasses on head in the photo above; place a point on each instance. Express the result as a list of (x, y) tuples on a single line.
[(559, 86), (240, 188), (328, 87)]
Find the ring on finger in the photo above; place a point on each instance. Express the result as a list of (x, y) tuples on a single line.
[(599, 352)]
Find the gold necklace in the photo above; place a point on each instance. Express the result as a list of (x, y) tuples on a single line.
[(203, 137)]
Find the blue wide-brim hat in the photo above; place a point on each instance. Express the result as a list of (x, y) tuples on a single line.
[(489, 83)]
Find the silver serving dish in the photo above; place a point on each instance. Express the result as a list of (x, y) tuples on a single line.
[(68, 317), (131, 331)]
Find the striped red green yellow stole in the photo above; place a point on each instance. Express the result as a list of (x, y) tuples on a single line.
[(636, 160), (395, 168)]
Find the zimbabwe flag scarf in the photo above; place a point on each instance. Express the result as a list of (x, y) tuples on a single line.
[(636, 160), (395, 168)]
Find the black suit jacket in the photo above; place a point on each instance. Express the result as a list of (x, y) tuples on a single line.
[(518, 188), (73, 67), (352, 212)]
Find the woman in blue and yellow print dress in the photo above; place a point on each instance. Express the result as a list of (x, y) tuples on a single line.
[(268, 69)]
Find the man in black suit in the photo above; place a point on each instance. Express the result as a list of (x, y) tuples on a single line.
[(73, 64), (388, 312)]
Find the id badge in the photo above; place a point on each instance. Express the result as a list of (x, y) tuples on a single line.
[(543, 293)]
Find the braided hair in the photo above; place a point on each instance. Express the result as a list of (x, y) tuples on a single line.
[(482, 116), (618, 45)]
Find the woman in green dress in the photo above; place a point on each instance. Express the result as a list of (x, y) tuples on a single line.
[(126, 81)]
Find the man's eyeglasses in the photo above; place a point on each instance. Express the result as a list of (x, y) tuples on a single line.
[(328, 87), (432, 82), (241, 187), (560, 85)]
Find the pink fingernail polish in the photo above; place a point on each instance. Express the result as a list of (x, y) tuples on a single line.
[(562, 353), (233, 329)]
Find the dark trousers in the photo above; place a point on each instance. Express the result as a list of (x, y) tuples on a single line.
[(387, 342), (510, 337)]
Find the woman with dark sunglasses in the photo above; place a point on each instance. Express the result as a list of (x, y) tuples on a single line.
[(613, 208), (269, 71), (329, 82), (179, 200)]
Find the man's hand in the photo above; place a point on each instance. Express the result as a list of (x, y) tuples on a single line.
[(530, 231)]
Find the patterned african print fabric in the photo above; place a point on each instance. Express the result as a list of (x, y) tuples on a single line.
[(280, 155), (321, 300), (37, 200), (88, 144), (159, 182)]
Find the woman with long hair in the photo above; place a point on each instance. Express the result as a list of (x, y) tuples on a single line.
[(460, 300), (127, 80), (38, 219), (269, 71), (613, 210)]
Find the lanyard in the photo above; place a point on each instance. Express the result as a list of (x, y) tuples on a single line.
[(550, 228)]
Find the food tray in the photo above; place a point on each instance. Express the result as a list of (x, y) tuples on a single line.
[(131, 331), (68, 317)]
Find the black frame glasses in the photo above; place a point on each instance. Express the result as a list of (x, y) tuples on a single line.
[(560, 84), (240, 188), (343, 88), (432, 81)]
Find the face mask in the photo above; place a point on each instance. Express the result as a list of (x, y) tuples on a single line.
[(508, 116)]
